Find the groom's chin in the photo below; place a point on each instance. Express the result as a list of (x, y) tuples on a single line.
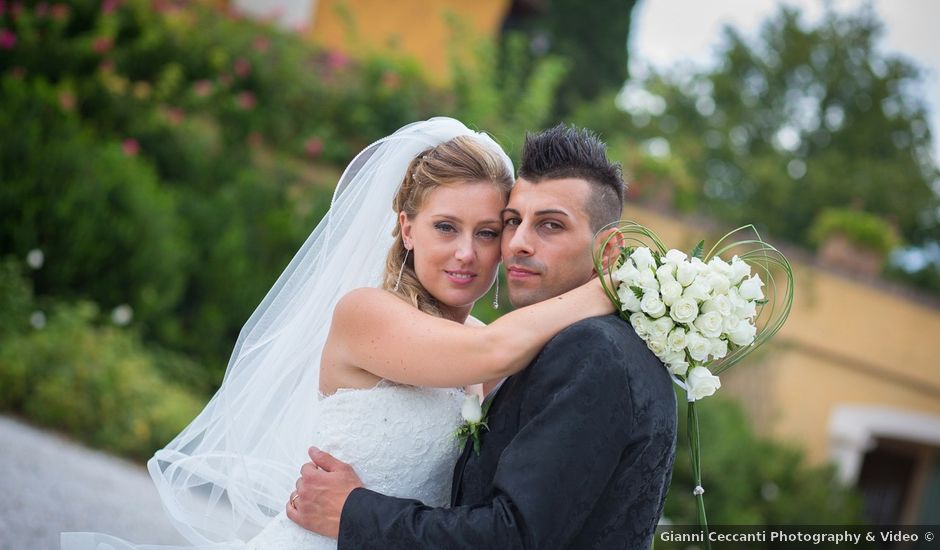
[(524, 297)]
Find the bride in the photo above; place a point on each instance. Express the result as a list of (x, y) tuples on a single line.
[(374, 312)]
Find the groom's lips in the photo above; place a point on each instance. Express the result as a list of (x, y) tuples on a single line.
[(516, 272)]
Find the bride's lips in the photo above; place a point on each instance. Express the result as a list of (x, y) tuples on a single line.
[(460, 277), (516, 272)]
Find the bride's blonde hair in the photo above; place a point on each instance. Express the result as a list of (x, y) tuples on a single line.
[(461, 160)]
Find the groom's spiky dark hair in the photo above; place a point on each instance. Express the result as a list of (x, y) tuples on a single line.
[(569, 152)]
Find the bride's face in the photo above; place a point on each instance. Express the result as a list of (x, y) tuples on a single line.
[(455, 241)]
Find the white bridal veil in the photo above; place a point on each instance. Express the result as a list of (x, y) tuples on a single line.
[(233, 468)]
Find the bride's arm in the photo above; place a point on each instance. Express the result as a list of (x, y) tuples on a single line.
[(377, 332)]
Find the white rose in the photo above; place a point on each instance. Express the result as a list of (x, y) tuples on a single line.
[(739, 270), (627, 273), (699, 290), (709, 324), (628, 300), (718, 282), (657, 344), (701, 383), (745, 309), (640, 324), (471, 410), (684, 310), (685, 273), (671, 291), (643, 258), (720, 303), (743, 333), (740, 307), (676, 340), (720, 266), (719, 347), (674, 257), (676, 364), (698, 265), (652, 305), (665, 273), (647, 280), (750, 288), (698, 346), (661, 327)]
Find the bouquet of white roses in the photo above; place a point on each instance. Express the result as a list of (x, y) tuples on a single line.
[(698, 313), (687, 311)]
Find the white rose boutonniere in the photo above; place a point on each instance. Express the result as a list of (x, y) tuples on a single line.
[(474, 415)]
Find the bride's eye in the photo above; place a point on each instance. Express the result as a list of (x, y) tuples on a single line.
[(445, 227), (489, 234)]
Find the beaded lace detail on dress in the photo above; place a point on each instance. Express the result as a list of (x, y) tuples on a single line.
[(399, 439)]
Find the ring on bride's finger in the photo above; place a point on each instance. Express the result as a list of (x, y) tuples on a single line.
[(293, 499)]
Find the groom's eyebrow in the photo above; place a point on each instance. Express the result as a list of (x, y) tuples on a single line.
[(547, 212), (552, 212)]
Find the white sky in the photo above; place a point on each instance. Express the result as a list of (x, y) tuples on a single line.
[(668, 33)]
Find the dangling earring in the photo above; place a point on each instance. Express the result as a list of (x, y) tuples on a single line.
[(496, 294), (402, 268)]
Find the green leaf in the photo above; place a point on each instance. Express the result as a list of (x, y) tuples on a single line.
[(637, 291), (761, 302), (659, 258), (699, 249)]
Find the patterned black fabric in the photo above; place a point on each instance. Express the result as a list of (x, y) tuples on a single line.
[(579, 455)]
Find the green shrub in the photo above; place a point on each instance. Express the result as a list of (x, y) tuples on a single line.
[(95, 383), (861, 228)]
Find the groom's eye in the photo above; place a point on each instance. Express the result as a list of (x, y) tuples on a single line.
[(553, 226)]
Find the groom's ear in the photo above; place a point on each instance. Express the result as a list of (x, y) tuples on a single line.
[(613, 246)]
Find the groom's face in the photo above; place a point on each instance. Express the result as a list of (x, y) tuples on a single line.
[(547, 240)]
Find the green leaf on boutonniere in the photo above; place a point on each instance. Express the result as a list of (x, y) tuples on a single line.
[(472, 430)]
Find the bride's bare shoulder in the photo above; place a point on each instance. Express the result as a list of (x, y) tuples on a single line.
[(369, 303)]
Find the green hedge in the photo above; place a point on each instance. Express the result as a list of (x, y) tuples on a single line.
[(95, 382), (865, 230)]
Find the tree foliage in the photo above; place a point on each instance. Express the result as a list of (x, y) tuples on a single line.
[(790, 122)]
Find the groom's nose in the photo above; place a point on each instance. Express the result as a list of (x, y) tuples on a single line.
[(518, 242)]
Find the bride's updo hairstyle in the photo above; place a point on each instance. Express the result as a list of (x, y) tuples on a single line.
[(462, 160)]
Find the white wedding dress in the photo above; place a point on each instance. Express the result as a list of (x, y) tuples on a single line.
[(400, 441)]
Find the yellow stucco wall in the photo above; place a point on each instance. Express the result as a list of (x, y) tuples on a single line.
[(415, 27), (846, 343)]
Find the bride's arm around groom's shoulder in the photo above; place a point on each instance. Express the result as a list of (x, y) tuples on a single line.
[(588, 464), (372, 329)]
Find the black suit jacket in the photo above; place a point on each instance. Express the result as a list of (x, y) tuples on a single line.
[(578, 455)]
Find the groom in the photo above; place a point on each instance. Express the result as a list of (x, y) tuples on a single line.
[(581, 443)]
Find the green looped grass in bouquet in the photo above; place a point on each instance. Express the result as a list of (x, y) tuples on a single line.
[(699, 313)]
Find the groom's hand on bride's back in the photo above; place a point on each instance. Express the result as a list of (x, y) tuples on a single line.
[(322, 489)]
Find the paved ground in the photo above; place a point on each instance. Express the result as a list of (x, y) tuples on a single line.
[(49, 484)]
